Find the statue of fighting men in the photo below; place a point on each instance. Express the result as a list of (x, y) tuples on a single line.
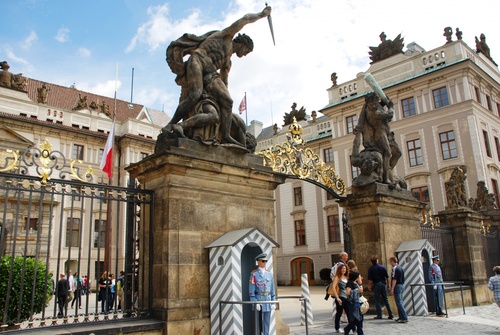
[(205, 101), (381, 152)]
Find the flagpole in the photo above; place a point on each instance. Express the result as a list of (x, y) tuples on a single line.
[(109, 216), (246, 110)]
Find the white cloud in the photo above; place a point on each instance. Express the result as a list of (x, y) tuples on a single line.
[(13, 57), (62, 34), (32, 37), (153, 31), (83, 52), (160, 29), (106, 88)]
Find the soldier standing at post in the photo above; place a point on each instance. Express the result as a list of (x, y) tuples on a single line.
[(261, 288), (436, 277)]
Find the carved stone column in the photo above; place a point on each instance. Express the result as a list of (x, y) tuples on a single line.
[(469, 254), (380, 219), (200, 193)]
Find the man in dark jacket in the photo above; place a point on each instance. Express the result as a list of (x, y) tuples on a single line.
[(378, 282), (62, 293)]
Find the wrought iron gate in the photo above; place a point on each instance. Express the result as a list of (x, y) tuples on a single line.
[(441, 238), (53, 219)]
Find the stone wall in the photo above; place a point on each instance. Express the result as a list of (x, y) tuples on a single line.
[(201, 192)]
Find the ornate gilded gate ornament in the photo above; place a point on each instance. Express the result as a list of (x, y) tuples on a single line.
[(45, 162), (295, 159)]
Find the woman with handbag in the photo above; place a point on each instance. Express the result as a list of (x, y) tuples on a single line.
[(339, 293)]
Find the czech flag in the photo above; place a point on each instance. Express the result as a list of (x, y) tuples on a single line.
[(107, 156)]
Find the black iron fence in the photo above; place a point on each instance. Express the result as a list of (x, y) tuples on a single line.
[(56, 226)]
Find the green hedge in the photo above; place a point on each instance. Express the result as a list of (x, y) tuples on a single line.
[(42, 291), (324, 274)]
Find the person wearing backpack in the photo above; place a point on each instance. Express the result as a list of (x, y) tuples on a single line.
[(78, 291), (354, 290)]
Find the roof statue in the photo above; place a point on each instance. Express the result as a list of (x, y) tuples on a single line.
[(386, 48), (334, 78), (42, 92), (448, 32), (314, 115), (10, 80), (81, 103), (205, 104), (482, 47), (300, 115), (458, 33)]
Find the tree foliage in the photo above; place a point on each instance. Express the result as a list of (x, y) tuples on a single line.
[(25, 275)]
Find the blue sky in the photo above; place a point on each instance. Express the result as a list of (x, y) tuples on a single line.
[(81, 42)]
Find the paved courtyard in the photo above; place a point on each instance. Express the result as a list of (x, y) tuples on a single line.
[(477, 319)]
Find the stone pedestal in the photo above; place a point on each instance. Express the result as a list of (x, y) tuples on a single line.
[(467, 237), (200, 192), (380, 219)]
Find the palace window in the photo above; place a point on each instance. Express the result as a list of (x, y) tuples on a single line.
[(408, 106), (478, 94), (333, 228), (101, 152), (440, 97), (351, 122), (78, 151), (297, 196), (300, 232), (448, 145), (422, 194), (99, 233), (487, 143), (497, 146), (31, 223), (72, 232), (355, 171), (488, 103), (328, 155), (414, 152)]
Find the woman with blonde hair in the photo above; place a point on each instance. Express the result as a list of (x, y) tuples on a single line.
[(104, 286), (339, 284), (351, 265)]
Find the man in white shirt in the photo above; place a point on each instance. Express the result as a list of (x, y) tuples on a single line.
[(72, 287)]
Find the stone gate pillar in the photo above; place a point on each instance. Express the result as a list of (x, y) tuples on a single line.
[(379, 220), (469, 254), (200, 192)]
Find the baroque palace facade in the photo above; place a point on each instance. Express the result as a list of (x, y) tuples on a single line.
[(76, 124), (446, 115)]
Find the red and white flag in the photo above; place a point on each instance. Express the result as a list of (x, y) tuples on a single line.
[(243, 105), (107, 155)]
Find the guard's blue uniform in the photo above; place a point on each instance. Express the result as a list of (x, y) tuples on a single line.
[(436, 276), (261, 288)]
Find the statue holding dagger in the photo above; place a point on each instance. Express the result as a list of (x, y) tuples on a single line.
[(205, 100)]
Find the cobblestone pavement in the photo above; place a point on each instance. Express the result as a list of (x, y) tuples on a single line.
[(477, 319)]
